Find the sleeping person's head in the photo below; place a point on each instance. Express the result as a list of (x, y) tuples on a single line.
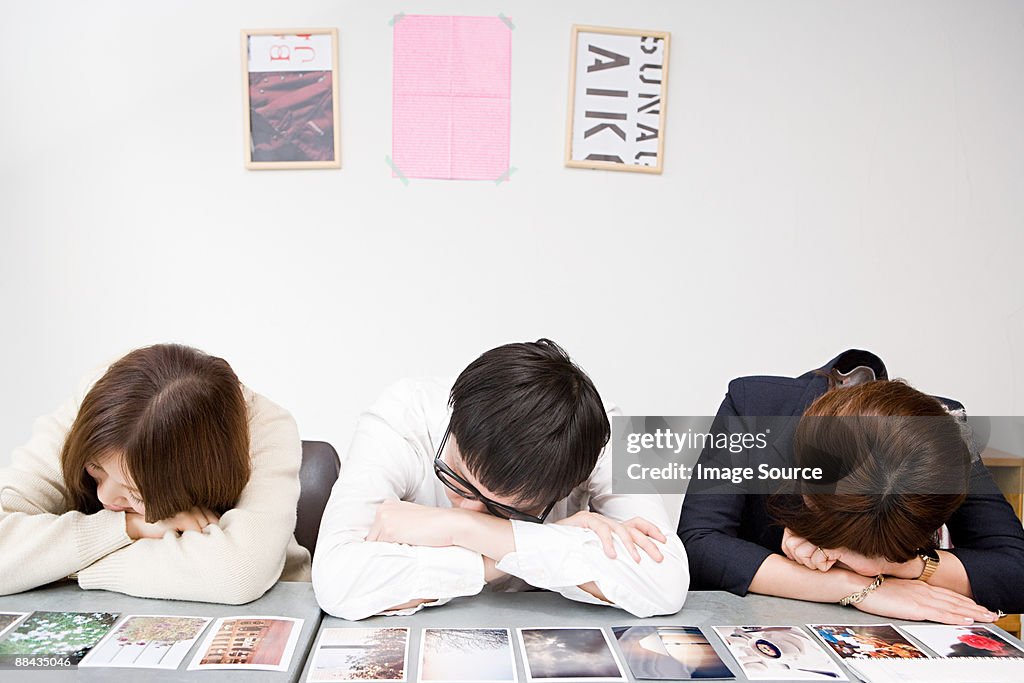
[(527, 426), (901, 468), (165, 429)]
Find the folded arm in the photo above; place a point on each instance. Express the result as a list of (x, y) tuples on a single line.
[(42, 541), (40, 548), (621, 554), (355, 578), (574, 561), (988, 541), (569, 557)]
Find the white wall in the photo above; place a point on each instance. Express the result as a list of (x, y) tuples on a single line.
[(837, 174)]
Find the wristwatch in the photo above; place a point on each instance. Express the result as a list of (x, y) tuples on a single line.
[(931, 564)]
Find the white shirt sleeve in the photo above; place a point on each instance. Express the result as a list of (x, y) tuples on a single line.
[(353, 578), (561, 558)]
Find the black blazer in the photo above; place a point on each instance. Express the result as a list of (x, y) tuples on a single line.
[(728, 536)]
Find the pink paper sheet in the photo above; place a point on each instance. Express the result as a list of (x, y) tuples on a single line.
[(452, 104)]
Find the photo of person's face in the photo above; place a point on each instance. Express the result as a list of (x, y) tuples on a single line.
[(114, 486), (767, 649), (778, 653)]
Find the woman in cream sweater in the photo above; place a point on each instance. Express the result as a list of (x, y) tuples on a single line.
[(165, 478)]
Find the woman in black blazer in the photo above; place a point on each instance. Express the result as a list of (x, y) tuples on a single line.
[(873, 546)]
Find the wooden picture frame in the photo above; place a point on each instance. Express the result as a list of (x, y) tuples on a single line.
[(290, 115), (622, 96)]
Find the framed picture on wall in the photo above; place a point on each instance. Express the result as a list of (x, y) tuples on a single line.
[(290, 86), (618, 83)]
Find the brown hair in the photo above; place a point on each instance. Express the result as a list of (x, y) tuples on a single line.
[(178, 417), (899, 468)]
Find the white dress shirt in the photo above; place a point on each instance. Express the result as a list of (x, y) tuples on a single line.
[(391, 458)]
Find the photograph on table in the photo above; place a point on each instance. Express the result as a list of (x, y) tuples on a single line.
[(768, 653), (867, 641), (9, 619), (563, 654), (144, 641), (290, 93), (669, 653), (467, 655), (938, 670), (55, 635), (360, 654), (249, 642), (618, 83), (963, 641)]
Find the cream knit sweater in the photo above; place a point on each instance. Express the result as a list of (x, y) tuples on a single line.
[(234, 562)]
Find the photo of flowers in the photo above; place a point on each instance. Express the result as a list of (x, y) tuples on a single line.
[(963, 641), (457, 655), (360, 654), (64, 635), (148, 642), (569, 654), (249, 642), (669, 653), (867, 641)]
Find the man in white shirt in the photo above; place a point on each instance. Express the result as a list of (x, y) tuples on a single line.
[(499, 481)]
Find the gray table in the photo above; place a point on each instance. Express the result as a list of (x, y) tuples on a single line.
[(704, 608), (286, 599)]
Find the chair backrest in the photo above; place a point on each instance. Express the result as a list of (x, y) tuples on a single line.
[(319, 471)]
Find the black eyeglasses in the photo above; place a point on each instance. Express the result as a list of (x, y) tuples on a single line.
[(469, 492)]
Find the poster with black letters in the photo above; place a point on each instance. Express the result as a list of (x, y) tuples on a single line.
[(618, 82)]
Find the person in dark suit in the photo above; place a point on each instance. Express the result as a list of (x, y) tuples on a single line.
[(905, 470)]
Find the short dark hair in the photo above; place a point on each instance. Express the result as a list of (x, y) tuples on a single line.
[(908, 470), (528, 421), (179, 419)]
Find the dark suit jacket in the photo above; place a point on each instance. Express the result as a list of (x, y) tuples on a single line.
[(728, 536)]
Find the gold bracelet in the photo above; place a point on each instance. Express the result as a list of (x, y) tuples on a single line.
[(859, 596), (931, 564)]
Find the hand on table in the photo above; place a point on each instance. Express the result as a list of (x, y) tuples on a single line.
[(920, 601), (633, 533), (805, 553), (194, 519)]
